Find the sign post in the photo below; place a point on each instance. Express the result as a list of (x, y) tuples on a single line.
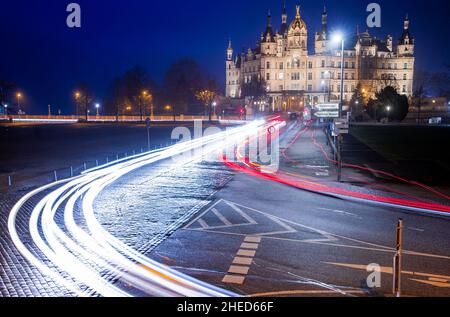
[(147, 122)]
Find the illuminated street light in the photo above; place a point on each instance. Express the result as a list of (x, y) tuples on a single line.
[(6, 109), (338, 37), (97, 106), (19, 96)]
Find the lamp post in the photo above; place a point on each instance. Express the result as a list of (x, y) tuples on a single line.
[(214, 104), (6, 110), (338, 37), (97, 107), (388, 109), (19, 96)]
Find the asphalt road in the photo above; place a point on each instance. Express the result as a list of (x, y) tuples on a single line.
[(259, 237), (255, 237)]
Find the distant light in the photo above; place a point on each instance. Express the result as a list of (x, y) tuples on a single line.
[(434, 101), (97, 105), (214, 104), (388, 108), (357, 102), (6, 106)]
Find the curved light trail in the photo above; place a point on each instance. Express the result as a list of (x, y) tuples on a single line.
[(70, 246), (316, 186)]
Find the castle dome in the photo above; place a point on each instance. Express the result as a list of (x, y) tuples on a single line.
[(298, 22)]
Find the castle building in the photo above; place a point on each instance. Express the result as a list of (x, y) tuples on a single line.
[(294, 78)]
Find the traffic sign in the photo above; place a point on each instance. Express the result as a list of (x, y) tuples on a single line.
[(327, 107), (327, 114), (341, 126)]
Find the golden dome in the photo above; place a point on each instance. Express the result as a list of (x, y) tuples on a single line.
[(298, 21)]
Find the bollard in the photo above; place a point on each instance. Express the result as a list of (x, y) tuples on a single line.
[(117, 157), (9, 181), (55, 175), (71, 172), (107, 160), (397, 269), (96, 162), (134, 152), (85, 166), (126, 155)]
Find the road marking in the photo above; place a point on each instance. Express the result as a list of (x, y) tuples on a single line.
[(239, 211), (234, 279), (239, 269), (251, 246), (432, 283), (203, 224), (242, 261), (246, 253), (416, 229), (253, 239), (340, 212), (433, 279), (301, 292), (221, 217), (244, 256)]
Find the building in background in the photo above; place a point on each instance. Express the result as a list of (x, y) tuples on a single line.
[(294, 78)]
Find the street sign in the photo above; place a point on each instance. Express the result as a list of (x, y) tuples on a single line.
[(327, 114), (327, 107), (341, 126)]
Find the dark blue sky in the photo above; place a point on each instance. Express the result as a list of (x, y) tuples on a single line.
[(47, 60)]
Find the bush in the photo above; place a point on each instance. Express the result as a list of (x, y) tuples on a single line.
[(388, 105)]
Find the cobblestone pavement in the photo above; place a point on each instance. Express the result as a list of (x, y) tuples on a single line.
[(18, 278), (141, 209)]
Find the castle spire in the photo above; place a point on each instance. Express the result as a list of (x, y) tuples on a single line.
[(406, 24), (298, 11), (284, 19)]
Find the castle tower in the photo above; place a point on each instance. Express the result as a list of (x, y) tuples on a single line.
[(284, 17), (321, 38), (406, 41), (230, 52), (298, 34)]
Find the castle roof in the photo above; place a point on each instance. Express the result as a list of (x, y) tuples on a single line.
[(298, 22)]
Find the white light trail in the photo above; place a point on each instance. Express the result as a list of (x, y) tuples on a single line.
[(89, 261)]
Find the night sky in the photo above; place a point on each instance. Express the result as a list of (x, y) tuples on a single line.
[(47, 60)]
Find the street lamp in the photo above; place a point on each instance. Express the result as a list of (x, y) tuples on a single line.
[(214, 104), (6, 110), (19, 96), (338, 37), (97, 106)]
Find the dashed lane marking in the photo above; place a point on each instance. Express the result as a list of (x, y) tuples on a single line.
[(251, 246), (246, 253), (239, 269), (253, 239), (242, 261), (234, 279)]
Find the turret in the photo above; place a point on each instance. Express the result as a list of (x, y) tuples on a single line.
[(406, 41), (322, 36), (284, 17), (230, 51)]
